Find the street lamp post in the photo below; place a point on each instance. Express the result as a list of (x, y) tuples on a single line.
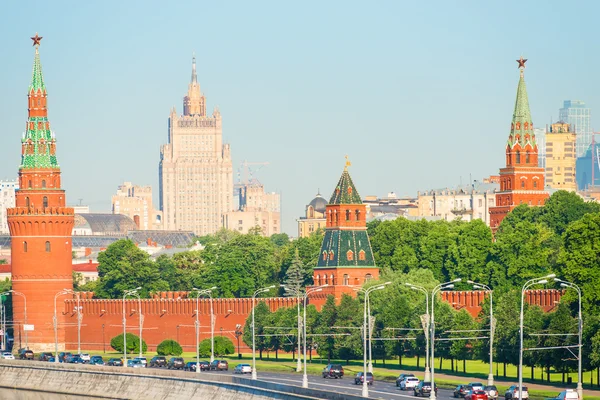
[(306, 293), (425, 327), (572, 285), (238, 332), (78, 324), (204, 292), (25, 309), (441, 286), (368, 303), (531, 282), (297, 292), (263, 290), (492, 327), (55, 321), (132, 292)]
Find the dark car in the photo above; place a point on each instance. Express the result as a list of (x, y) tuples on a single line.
[(74, 359), (219, 365), (333, 371), (476, 395), (359, 378), (51, 359), (176, 363), (401, 377), (461, 390), (424, 389), (115, 362), (158, 362), (25, 354), (62, 356), (191, 366), (45, 356), (96, 360)]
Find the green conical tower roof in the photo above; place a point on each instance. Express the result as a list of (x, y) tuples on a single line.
[(37, 80), (345, 192), (521, 130)]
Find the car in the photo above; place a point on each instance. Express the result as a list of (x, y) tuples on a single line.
[(115, 362), (401, 377), (492, 391), (461, 390), (25, 354), (333, 371), (158, 362), (242, 369), (359, 378), (476, 385), (135, 363), (569, 394), (219, 365), (74, 359), (96, 360), (423, 389), (142, 360), (409, 383), (513, 392), (191, 366), (85, 357), (8, 356), (51, 359), (62, 356), (176, 363), (476, 395), (44, 356)]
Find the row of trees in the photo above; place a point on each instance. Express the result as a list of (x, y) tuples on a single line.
[(222, 346)]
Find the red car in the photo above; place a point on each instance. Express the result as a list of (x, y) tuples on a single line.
[(476, 395)]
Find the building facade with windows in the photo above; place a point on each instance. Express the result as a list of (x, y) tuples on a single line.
[(578, 116), (257, 209), (136, 202), (560, 157), (314, 217), (7, 200), (195, 170)]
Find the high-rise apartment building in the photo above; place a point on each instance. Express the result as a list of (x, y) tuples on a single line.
[(7, 200), (578, 116), (540, 138), (136, 202), (195, 171), (560, 157), (257, 209)]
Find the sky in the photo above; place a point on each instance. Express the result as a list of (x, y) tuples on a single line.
[(418, 94)]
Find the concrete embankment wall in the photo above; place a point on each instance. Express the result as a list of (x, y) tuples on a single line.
[(38, 380)]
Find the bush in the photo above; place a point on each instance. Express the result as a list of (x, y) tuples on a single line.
[(133, 343), (169, 347), (223, 347)]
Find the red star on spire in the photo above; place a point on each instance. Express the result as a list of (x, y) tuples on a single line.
[(521, 62), (36, 39)]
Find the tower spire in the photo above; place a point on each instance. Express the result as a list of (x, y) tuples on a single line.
[(37, 79), (194, 76)]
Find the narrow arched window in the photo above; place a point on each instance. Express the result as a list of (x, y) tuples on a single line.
[(522, 183), (362, 255), (346, 280), (527, 157), (347, 215), (24, 247), (43, 184), (29, 184), (47, 247), (518, 157), (368, 277), (357, 215), (350, 255), (27, 202), (45, 201), (534, 184)]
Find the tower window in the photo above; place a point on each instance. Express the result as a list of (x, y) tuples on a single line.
[(350, 255), (29, 184), (527, 157), (324, 256), (518, 157), (368, 277), (358, 215), (45, 201), (346, 280), (522, 183), (347, 215), (534, 184), (24, 247), (331, 255), (27, 202), (47, 247), (43, 184), (362, 255)]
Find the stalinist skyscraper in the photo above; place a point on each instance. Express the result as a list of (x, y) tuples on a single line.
[(195, 171)]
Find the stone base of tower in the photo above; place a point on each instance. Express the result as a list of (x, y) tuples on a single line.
[(341, 280)]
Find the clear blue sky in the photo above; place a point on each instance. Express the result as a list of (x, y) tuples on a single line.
[(418, 94)]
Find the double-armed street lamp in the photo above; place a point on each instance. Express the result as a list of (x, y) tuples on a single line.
[(306, 293), (203, 292), (295, 291), (55, 321), (259, 291), (24, 317), (132, 292), (492, 327), (425, 327)]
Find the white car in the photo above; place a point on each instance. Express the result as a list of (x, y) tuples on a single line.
[(242, 369), (7, 356), (569, 394), (409, 382), (85, 357), (142, 360)]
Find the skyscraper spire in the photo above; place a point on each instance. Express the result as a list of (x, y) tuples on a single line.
[(194, 76)]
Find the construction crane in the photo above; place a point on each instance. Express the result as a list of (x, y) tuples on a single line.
[(245, 175)]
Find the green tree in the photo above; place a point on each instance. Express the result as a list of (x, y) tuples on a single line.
[(563, 208), (261, 319), (133, 343), (349, 321), (280, 239), (223, 346), (3, 261), (169, 347), (506, 337), (469, 252), (295, 277), (462, 349), (327, 319)]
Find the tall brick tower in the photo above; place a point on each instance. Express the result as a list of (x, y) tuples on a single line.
[(40, 224), (346, 259), (522, 180)]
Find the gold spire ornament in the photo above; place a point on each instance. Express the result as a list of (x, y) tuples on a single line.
[(348, 163)]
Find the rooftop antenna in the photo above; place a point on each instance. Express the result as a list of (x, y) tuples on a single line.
[(80, 202)]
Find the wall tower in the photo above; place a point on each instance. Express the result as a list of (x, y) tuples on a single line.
[(522, 180), (40, 225)]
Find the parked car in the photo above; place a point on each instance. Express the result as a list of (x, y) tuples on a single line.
[(134, 363), (115, 362), (219, 365), (409, 382), (360, 377), (44, 356), (191, 366), (96, 360), (142, 360), (62, 356), (491, 391), (242, 369), (423, 389), (85, 357), (461, 390), (25, 354), (569, 394), (513, 392), (74, 359), (176, 363), (333, 371), (158, 362), (476, 395), (51, 359), (401, 377), (7, 356), (476, 386)]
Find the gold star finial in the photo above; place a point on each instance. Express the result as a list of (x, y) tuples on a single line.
[(36, 39), (348, 163)]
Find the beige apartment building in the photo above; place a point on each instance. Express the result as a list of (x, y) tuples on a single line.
[(314, 217), (257, 209), (136, 202), (561, 157), (195, 171)]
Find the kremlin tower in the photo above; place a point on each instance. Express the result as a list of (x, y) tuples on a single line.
[(522, 180), (40, 225), (346, 259)]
